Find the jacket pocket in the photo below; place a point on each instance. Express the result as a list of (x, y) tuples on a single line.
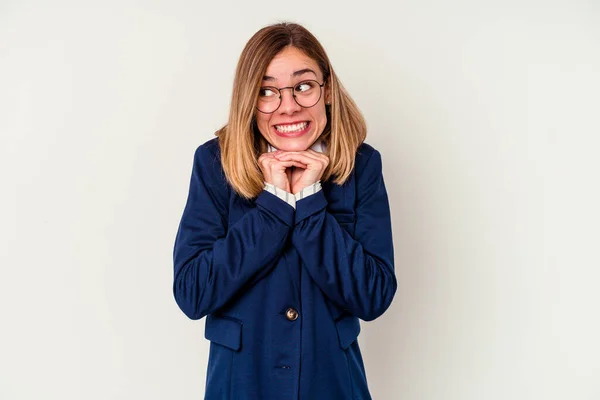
[(348, 328), (223, 330)]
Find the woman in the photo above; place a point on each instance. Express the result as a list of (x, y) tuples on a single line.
[(285, 241)]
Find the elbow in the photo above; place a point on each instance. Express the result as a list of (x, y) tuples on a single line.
[(380, 300), (186, 306), (187, 300)]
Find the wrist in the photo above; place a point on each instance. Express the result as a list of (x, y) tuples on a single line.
[(308, 188)]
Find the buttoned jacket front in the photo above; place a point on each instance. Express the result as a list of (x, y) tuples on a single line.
[(282, 288)]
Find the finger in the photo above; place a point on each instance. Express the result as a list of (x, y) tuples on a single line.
[(296, 155), (291, 163), (318, 155), (266, 159), (310, 161), (266, 162), (266, 156), (309, 153)]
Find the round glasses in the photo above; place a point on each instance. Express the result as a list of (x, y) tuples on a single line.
[(305, 93)]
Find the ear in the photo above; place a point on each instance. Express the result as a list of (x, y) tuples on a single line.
[(327, 93)]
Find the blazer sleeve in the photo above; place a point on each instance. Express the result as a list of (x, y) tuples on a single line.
[(356, 273), (213, 261)]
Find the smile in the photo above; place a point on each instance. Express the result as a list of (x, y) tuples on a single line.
[(289, 128)]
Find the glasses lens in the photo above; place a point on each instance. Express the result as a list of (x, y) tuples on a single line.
[(268, 99), (307, 93)]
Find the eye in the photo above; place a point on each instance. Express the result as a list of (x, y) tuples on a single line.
[(304, 87), (267, 92)]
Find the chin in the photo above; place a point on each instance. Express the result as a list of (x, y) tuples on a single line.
[(293, 147), (299, 144)]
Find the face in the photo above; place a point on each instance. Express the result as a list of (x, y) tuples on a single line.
[(292, 127)]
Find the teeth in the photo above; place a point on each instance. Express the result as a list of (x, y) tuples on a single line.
[(291, 128)]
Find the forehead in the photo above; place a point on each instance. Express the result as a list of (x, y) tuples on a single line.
[(288, 61)]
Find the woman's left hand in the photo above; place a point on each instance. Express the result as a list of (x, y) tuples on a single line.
[(315, 163)]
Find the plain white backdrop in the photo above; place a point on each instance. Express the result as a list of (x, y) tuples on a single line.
[(487, 117)]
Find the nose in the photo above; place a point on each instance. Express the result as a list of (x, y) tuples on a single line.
[(288, 103)]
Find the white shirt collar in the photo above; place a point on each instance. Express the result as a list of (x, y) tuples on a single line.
[(318, 146)]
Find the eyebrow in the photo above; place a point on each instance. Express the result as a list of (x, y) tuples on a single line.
[(294, 74)]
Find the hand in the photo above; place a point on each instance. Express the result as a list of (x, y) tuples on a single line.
[(310, 169), (274, 170)]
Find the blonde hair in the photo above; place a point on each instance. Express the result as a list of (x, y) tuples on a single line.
[(240, 140)]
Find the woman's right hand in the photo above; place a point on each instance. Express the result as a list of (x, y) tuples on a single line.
[(277, 172)]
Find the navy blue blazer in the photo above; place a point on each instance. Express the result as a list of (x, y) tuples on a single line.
[(283, 289)]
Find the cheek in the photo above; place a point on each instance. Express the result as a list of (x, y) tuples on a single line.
[(263, 123), (321, 116), (261, 118)]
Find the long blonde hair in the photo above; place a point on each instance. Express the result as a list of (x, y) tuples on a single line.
[(240, 140)]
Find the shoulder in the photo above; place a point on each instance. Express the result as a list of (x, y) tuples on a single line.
[(207, 163), (369, 175), (208, 156), (208, 152), (367, 157)]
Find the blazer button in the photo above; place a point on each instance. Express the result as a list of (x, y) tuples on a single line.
[(291, 314)]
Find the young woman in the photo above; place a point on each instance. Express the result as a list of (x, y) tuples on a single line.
[(285, 240)]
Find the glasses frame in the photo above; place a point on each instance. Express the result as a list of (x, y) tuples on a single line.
[(294, 94)]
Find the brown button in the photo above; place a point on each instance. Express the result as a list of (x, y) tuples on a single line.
[(291, 314)]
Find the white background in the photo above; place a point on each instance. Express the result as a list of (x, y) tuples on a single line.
[(487, 118)]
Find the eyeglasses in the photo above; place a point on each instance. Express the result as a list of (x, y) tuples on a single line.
[(305, 93)]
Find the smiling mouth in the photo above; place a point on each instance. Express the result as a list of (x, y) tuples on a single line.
[(291, 128)]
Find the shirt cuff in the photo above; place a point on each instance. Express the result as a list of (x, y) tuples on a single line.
[(308, 206), (271, 204), (290, 198)]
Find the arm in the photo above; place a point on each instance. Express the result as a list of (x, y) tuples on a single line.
[(213, 261), (355, 273)]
